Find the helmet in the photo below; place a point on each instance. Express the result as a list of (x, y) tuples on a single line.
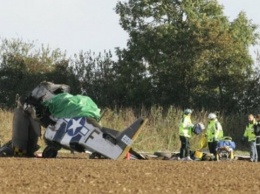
[(187, 111), (212, 116)]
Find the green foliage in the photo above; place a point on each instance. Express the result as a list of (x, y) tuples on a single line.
[(188, 50), (179, 53), (26, 56), (23, 67), (98, 78)]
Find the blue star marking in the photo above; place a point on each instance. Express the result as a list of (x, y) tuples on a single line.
[(75, 125)]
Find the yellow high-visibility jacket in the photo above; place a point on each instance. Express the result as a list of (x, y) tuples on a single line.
[(185, 127), (214, 130), (249, 131)]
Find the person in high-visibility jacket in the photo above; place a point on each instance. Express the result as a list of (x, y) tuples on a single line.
[(214, 133), (185, 130), (249, 134)]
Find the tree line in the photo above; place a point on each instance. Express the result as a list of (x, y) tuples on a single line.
[(179, 53)]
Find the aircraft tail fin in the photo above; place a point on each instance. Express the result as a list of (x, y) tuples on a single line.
[(126, 137)]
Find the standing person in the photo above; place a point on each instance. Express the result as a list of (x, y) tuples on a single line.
[(257, 133), (185, 129), (249, 134), (214, 133)]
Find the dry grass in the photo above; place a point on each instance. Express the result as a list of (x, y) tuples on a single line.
[(6, 118), (159, 134)]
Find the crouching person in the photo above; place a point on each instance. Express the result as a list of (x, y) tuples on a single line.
[(25, 134), (225, 149)]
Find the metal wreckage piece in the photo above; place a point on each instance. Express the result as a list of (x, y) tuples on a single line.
[(25, 133), (80, 133)]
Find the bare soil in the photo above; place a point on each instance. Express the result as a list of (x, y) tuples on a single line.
[(77, 174)]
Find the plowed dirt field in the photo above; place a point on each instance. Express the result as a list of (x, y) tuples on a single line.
[(77, 174)]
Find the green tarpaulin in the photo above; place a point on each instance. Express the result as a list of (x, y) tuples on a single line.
[(66, 105)]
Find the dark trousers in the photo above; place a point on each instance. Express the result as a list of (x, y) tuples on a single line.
[(212, 147), (258, 148), (185, 147), (258, 152), (257, 133)]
